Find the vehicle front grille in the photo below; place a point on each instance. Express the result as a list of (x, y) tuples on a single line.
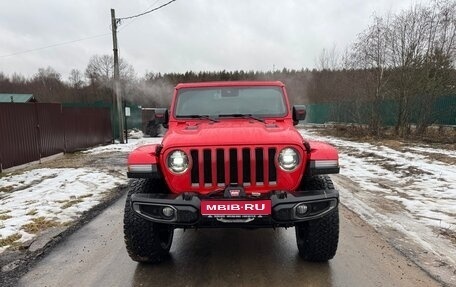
[(247, 166)]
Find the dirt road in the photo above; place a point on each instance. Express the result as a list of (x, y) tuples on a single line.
[(95, 256)]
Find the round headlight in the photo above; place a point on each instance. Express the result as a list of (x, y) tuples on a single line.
[(288, 159), (177, 161)]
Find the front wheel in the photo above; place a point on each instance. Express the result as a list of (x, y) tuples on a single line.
[(146, 241), (318, 239)]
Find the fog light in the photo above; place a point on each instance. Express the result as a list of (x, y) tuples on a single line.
[(301, 209), (168, 212)]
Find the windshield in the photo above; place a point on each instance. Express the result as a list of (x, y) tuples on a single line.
[(230, 101)]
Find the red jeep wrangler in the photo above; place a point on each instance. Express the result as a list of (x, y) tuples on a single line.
[(231, 158)]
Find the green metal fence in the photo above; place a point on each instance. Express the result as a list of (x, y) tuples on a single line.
[(443, 112), (133, 121)]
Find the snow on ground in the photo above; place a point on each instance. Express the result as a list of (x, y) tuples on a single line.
[(55, 196), (429, 149), (401, 189), (127, 147)]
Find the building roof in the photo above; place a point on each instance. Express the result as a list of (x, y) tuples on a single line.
[(16, 98)]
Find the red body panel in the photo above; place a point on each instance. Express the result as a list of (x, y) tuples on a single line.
[(231, 132), (284, 181), (242, 135), (322, 151), (143, 155), (230, 84)]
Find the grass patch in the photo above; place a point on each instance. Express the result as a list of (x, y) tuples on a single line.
[(71, 203), (9, 240), (31, 202), (32, 212), (74, 200), (39, 224), (449, 233), (434, 134), (5, 216), (6, 189)]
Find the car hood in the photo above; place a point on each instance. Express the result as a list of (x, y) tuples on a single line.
[(231, 133)]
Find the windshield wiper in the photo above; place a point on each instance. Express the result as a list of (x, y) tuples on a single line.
[(245, 116), (207, 117)]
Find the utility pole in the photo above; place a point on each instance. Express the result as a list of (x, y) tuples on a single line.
[(117, 96)]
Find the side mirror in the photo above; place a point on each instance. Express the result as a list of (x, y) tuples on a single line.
[(161, 117), (299, 113)]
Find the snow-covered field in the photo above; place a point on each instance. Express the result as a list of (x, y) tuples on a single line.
[(403, 189), (57, 196), (32, 200), (127, 147)]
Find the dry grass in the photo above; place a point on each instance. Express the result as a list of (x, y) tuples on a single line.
[(74, 200), (442, 136), (449, 233), (31, 201), (5, 216), (39, 224), (32, 212), (6, 189), (10, 239), (71, 202)]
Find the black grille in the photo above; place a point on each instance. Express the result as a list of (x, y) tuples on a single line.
[(207, 166), (195, 166), (233, 166), (220, 166), (225, 163), (259, 165)]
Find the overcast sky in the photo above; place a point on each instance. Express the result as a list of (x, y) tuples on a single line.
[(186, 35)]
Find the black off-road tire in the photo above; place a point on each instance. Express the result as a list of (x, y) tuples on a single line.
[(146, 241), (317, 239)]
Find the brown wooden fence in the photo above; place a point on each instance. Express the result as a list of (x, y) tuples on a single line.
[(31, 131)]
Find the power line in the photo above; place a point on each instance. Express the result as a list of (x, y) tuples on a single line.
[(55, 45), (146, 12), (86, 38), (132, 21)]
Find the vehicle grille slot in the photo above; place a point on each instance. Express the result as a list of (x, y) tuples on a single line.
[(233, 166), (246, 165), (207, 166), (220, 166), (195, 167), (259, 165), (272, 167)]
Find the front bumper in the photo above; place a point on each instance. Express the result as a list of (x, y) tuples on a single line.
[(187, 214)]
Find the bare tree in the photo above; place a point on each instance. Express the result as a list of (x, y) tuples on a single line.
[(328, 59), (100, 69), (370, 55), (100, 73), (18, 78), (48, 85), (437, 61), (76, 79), (407, 44)]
